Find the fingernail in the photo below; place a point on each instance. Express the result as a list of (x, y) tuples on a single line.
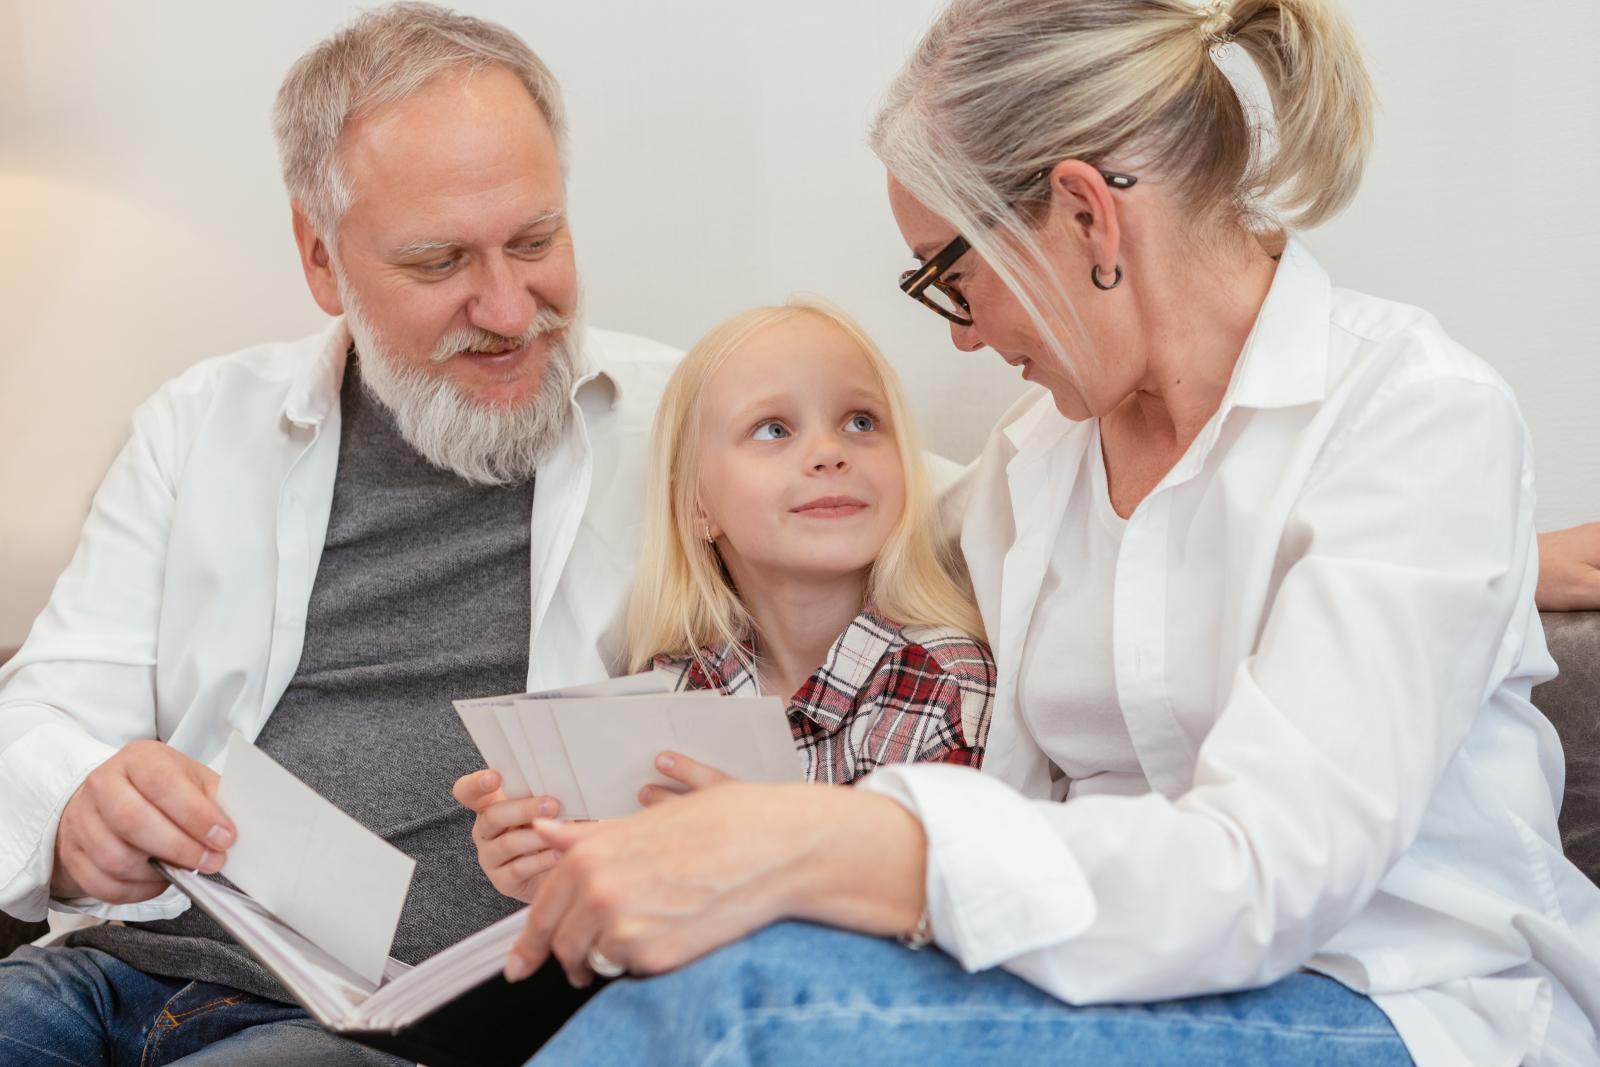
[(210, 862), (218, 836), (486, 781), (547, 808), (664, 762), (517, 968)]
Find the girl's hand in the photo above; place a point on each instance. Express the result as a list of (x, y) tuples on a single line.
[(513, 856), (669, 884), (680, 768)]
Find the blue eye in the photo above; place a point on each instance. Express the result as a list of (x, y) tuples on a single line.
[(771, 430), (440, 266), (860, 423)]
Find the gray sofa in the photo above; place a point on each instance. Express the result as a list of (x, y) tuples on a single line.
[(1572, 703)]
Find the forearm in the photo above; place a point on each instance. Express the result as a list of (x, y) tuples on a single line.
[(861, 863)]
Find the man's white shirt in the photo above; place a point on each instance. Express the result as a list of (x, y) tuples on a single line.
[(182, 614)]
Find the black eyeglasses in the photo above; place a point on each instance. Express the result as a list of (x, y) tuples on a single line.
[(926, 284)]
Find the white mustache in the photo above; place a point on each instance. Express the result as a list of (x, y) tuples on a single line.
[(456, 342)]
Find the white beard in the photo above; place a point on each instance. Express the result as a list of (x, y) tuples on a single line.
[(481, 444)]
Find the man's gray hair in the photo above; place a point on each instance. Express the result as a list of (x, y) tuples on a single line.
[(384, 56)]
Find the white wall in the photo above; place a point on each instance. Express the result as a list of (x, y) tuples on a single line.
[(720, 161)]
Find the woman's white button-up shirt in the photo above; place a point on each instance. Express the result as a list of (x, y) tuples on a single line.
[(1322, 639)]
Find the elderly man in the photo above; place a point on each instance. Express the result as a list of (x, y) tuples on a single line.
[(320, 544)]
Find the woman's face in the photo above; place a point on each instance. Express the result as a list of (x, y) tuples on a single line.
[(1000, 322), (799, 471)]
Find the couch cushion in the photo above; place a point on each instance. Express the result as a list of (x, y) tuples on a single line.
[(1572, 703)]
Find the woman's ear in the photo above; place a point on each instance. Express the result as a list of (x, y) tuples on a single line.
[(1081, 203)]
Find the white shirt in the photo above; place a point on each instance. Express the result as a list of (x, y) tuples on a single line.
[(1324, 638), (1068, 701), (182, 614)]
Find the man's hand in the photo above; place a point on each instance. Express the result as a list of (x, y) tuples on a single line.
[(510, 853), (149, 801), (1569, 569)]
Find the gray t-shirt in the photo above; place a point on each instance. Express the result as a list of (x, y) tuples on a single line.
[(421, 597)]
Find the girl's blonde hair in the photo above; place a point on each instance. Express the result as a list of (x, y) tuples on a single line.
[(683, 600), (1000, 91)]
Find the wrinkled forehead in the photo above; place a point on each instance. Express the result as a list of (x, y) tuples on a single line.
[(465, 147)]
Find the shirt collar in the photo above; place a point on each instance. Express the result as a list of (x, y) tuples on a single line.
[(1285, 359), (314, 391), (830, 695)]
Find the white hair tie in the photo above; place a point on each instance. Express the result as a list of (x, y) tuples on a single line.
[(1215, 19)]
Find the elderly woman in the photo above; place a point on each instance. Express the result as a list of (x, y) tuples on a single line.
[(1264, 783)]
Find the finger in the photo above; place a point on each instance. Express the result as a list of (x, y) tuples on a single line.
[(103, 853), (692, 773), (130, 817), (518, 876), (94, 882), (651, 795), (545, 912), (476, 790), (577, 933), (562, 836), (513, 815), (511, 846), (182, 798)]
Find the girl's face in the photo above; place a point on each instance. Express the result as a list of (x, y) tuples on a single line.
[(800, 476)]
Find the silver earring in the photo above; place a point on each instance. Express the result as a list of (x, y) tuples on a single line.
[(709, 539), (1094, 275)]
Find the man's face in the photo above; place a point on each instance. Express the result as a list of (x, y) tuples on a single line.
[(456, 248)]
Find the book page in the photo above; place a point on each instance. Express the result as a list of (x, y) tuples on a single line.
[(318, 870)]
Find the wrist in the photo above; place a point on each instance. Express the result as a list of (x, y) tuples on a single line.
[(863, 866)]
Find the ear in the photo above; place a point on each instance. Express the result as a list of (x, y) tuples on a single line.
[(703, 522), (317, 264), (1082, 205)]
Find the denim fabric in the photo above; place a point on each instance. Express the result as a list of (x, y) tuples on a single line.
[(84, 1008), (801, 994)]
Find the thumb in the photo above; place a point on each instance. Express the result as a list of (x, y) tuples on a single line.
[(692, 773)]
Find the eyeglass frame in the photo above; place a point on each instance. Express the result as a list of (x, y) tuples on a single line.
[(914, 282)]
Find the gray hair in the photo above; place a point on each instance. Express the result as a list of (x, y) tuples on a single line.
[(999, 90), (382, 57)]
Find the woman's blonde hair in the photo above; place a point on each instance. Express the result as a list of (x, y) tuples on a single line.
[(683, 600), (999, 91)]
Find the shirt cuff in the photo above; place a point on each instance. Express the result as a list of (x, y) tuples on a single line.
[(1000, 882), (39, 772)]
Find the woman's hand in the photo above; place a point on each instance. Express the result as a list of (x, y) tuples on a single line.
[(669, 884), (513, 856), (692, 774), (1569, 569)]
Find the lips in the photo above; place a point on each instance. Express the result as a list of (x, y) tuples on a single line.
[(830, 507)]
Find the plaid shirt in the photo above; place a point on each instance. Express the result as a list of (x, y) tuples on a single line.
[(885, 694)]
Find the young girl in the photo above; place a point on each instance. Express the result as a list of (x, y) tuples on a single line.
[(788, 548)]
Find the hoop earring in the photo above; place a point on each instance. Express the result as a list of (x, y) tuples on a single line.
[(1094, 276)]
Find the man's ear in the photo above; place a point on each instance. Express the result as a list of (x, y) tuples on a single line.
[(317, 263)]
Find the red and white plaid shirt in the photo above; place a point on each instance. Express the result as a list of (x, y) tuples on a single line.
[(885, 694)]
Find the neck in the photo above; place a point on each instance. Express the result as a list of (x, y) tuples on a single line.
[(797, 620), (1194, 324)]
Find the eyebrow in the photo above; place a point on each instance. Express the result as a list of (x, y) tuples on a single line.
[(429, 246), (855, 397)]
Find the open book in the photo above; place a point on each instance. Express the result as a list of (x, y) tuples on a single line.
[(318, 901), (453, 1010)]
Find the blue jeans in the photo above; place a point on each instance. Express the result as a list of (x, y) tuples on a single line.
[(83, 1008), (801, 994)]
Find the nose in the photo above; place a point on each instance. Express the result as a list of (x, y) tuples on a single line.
[(502, 302), (826, 454), (965, 337)]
